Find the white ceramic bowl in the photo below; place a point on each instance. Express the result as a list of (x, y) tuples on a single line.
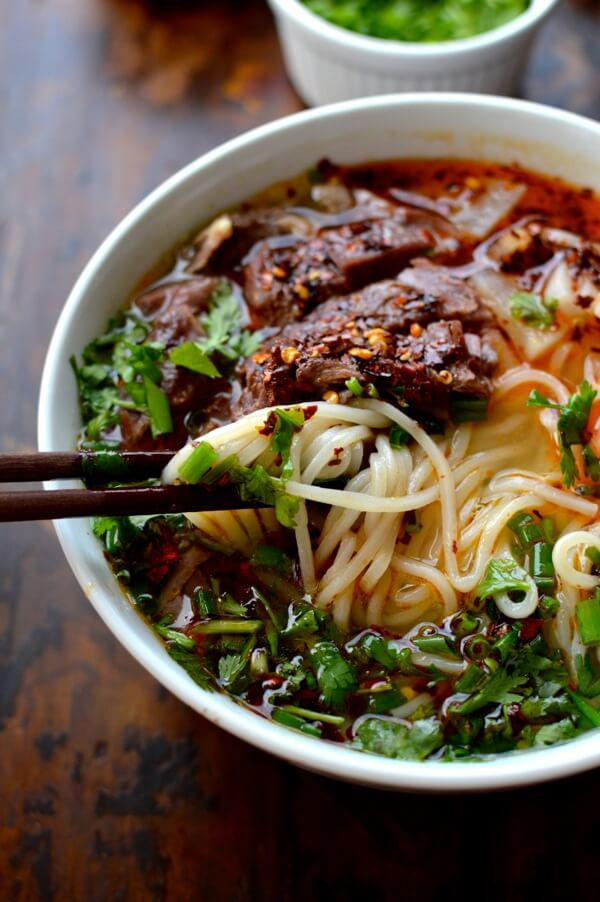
[(326, 63), (544, 139)]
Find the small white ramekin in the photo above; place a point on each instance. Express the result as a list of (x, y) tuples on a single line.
[(326, 63)]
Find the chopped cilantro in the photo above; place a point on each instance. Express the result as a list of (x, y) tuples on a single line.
[(503, 575), (192, 665), (393, 739), (158, 410), (288, 422), (587, 613), (533, 310), (589, 712), (335, 676), (399, 437), (231, 668), (303, 620), (588, 682), (269, 556), (554, 732), (591, 464), (571, 425), (222, 326), (223, 335), (191, 356)]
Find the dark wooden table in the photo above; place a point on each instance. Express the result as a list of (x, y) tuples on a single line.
[(110, 789)]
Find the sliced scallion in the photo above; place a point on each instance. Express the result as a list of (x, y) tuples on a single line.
[(541, 566), (218, 627), (200, 460), (588, 619), (353, 385), (295, 722), (334, 719), (468, 410), (525, 529)]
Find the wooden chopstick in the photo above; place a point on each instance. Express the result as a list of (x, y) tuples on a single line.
[(162, 499), (97, 468), (127, 466)]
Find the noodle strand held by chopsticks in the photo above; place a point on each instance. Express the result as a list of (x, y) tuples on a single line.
[(459, 490)]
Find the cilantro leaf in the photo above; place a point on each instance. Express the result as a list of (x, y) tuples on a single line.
[(157, 409), (503, 575), (537, 708), (118, 533), (397, 740), (588, 683), (121, 370), (191, 356), (192, 665), (270, 556), (533, 310), (293, 674), (399, 437), (303, 620), (589, 712), (288, 422), (255, 484), (222, 326), (555, 732), (131, 360), (230, 668), (335, 676), (571, 427), (591, 464)]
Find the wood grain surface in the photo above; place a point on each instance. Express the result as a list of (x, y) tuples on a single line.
[(110, 789)]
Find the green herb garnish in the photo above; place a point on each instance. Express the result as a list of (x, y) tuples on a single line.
[(354, 386), (191, 356), (571, 424), (288, 421), (393, 739), (587, 613), (503, 575), (533, 310), (335, 676), (413, 20)]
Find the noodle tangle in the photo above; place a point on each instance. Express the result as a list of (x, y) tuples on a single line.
[(412, 529)]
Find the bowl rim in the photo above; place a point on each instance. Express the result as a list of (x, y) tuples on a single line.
[(323, 757), (343, 38)]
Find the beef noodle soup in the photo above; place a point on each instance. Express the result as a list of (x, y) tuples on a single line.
[(399, 364)]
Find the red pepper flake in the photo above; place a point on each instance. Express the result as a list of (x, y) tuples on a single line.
[(308, 695), (443, 690), (245, 570), (310, 412), (269, 424), (161, 561), (530, 629), (201, 643)]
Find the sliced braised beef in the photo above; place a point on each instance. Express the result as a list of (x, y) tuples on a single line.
[(174, 310), (291, 259), (452, 297), (228, 238), (284, 280), (418, 339)]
